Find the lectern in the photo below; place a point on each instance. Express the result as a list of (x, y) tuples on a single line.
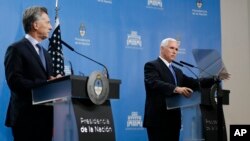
[(202, 114), (76, 118), (210, 63)]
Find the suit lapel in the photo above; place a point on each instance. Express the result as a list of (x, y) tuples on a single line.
[(166, 73), (34, 53)]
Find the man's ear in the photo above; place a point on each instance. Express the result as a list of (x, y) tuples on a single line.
[(35, 25), (162, 48)]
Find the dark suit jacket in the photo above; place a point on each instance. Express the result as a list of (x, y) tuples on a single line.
[(159, 85), (23, 71)]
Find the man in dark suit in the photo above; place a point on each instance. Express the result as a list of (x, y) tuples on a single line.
[(24, 70), (163, 80)]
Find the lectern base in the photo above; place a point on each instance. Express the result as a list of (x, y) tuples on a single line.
[(80, 119), (210, 124)]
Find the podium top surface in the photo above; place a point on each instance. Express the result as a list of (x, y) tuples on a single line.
[(71, 86)]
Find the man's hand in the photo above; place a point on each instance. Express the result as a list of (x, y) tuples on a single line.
[(223, 74), (53, 78), (185, 91)]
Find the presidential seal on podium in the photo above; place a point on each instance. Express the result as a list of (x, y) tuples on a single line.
[(98, 87)]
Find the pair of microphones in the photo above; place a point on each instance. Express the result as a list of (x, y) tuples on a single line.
[(188, 66), (182, 63)]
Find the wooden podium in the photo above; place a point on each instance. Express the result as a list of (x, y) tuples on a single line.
[(76, 118)]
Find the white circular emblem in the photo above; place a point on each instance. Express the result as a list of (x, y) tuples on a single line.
[(98, 87)]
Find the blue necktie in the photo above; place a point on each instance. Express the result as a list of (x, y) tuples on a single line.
[(173, 73), (41, 55)]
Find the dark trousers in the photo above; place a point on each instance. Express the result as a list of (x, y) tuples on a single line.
[(169, 130), (29, 132), (163, 134)]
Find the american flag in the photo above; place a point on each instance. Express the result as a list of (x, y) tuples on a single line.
[(55, 50)]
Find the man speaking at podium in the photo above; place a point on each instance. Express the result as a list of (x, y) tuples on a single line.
[(163, 80), (27, 64)]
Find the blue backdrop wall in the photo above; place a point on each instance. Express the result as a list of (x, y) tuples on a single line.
[(123, 35)]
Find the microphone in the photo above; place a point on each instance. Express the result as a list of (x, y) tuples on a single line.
[(71, 68), (177, 63), (185, 63), (192, 66), (216, 78), (181, 65), (72, 49), (68, 46)]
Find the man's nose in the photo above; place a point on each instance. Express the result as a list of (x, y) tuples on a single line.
[(50, 27)]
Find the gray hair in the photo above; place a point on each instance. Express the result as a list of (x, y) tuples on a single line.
[(166, 41), (31, 15)]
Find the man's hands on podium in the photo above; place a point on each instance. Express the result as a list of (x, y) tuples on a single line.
[(54, 77), (185, 91)]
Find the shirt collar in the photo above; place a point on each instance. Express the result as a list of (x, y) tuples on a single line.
[(165, 61), (31, 39)]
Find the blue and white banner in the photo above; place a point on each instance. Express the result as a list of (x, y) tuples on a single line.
[(123, 35)]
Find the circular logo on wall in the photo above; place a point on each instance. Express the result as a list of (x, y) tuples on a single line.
[(98, 87)]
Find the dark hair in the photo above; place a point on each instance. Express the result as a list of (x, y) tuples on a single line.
[(31, 15)]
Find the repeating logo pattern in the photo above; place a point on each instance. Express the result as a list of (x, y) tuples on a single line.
[(134, 121), (134, 40), (105, 1), (199, 10), (155, 4)]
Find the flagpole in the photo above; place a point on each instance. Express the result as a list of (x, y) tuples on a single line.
[(57, 8)]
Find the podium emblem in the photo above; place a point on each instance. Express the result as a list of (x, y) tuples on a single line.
[(98, 87)]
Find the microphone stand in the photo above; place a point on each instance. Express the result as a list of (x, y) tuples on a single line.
[(71, 68), (189, 70), (72, 49)]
